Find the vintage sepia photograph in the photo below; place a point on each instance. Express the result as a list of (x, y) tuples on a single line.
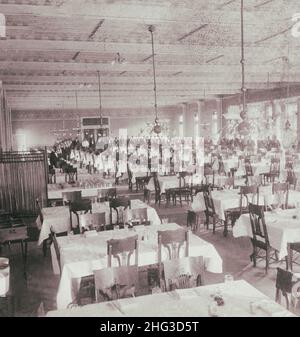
[(149, 161)]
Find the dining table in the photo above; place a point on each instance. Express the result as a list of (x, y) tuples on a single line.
[(230, 198), (58, 218), (80, 255), (283, 227), (240, 299)]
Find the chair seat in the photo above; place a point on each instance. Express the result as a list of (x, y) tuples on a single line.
[(237, 211)]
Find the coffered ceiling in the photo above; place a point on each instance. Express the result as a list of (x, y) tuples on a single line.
[(54, 48)]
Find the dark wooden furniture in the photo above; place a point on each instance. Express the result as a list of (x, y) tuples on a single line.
[(122, 250), (286, 284), (260, 240)]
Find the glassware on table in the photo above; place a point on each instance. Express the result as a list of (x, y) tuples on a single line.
[(228, 278), (165, 221), (213, 309)]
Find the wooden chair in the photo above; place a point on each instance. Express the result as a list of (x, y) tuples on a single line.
[(55, 244), (193, 220), (14, 231), (71, 175), (159, 196), (209, 176), (248, 171), (274, 171), (116, 283), (106, 194), (69, 197), (141, 182), (122, 250), (186, 272), (232, 214), (184, 190), (93, 221), (293, 254), (79, 207), (260, 239), (173, 241), (291, 179), (287, 285), (281, 193), (210, 212), (118, 205)]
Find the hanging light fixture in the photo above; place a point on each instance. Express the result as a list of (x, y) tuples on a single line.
[(100, 105), (157, 127), (243, 127)]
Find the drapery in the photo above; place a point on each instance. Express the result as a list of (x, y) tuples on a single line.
[(22, 181)]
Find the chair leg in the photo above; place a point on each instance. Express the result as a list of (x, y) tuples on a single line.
[(286, 263), (214, 225), (267, 259), (253, 256), (225, 226)]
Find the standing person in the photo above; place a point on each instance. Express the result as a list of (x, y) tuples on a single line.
[(53, 158)]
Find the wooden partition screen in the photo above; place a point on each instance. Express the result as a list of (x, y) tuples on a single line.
[(5, 122), (23, 179)]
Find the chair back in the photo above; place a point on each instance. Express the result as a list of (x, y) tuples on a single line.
[(221, 166), (209, 175), (106, 194), (69, 197), (79, 207), (122, 250), (115, 283), (250, 194), (183, 273), (291, 178), (258, 224), (119, 205), (209, 203), (56, 247), (281, 191), (248, 168), (93, 221), (173, 241), (275, 167), (285, 282)]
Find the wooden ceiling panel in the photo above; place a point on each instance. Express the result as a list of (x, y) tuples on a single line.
[(54, 47)]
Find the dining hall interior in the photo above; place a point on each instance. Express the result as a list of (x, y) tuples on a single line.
[(149, 158)]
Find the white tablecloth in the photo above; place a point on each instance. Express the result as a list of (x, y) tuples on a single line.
[(225, 199), (237, 296), (59, 217), (281, 227), (81, 255), (164, 183)]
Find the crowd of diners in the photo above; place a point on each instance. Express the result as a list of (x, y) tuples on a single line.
[(214, 151)]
